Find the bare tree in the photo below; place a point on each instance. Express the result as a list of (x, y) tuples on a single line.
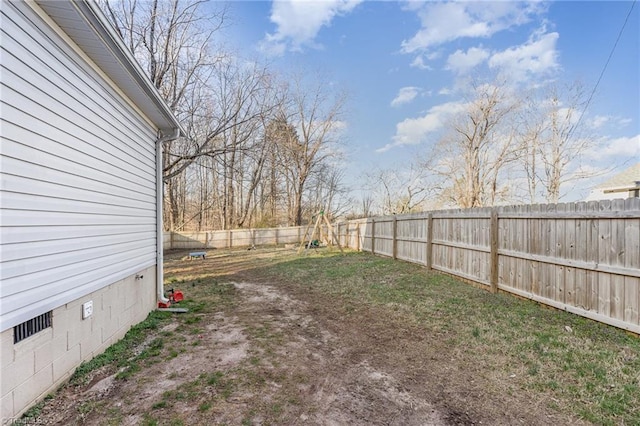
[(172, 40), (531, 129), (277, 195), (367, 206), (328, 192), (263, 149), (315, 112), (479, 147), (230, 167), (552, 141), (401, 190), (245, 95)]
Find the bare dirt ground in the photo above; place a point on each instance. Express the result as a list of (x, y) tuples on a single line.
[(267, 352)]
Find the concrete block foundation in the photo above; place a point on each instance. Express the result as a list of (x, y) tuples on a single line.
[(37, 365)]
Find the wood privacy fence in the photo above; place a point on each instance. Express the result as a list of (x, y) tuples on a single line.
[(580, 257), (233, 238)]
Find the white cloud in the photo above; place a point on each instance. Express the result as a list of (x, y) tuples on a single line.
[(419, 63), (299, 21), (628, 147), (537, 56), (405, 95), (599, 120), (339, 125), (412, 131), (624, 122), (462, 62), (445, 22)]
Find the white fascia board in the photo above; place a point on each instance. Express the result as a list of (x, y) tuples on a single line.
[(620, 188)]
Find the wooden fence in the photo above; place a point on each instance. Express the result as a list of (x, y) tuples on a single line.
[(233, 238), (580, 257)]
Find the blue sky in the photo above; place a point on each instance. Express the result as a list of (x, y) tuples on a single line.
[(400, 62)]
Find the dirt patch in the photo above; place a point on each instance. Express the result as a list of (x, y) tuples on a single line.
[(280, 353)]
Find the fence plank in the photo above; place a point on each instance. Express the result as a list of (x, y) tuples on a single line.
[(604, 246), (373, 236), (616, 258), (535, 233), (395, 237), (550, 249), (570, 254), (581, 243), (592, 254), (429, 242), (494, 250), (632, 260), (559, 280)]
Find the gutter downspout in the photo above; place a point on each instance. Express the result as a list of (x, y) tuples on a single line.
[(159, 202)]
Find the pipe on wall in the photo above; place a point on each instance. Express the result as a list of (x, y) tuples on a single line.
[(175, 134)]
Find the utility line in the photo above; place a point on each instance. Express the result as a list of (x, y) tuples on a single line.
[(603, 69)]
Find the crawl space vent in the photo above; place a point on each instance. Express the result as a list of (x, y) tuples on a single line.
[(31, 327)]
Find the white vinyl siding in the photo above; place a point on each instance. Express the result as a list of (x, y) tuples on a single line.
[(77, 185)]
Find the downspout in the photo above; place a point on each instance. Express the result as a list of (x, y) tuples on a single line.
[(159, 202)]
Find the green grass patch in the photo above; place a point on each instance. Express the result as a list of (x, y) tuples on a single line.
[(120, 353), (205, 406), (147, 420), (32, 413), (214, 379), (590, 371), (158, 405)]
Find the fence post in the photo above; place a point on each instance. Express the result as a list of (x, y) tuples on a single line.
[(494, 234), (395, 237), (358, 236), (373, 236), (276, 237), (229, 239), (429, 249), (345, 240)]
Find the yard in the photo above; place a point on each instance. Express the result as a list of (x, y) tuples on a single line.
[(272, 337)]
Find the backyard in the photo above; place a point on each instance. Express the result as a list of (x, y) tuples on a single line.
[(273, 337)]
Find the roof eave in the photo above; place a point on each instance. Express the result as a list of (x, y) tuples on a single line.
[(130, 77)]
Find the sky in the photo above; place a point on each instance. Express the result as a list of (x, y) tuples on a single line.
[(401, 62)]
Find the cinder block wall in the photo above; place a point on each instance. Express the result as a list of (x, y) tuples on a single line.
[(36, 366)]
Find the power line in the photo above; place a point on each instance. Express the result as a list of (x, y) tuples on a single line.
[(603, 69)]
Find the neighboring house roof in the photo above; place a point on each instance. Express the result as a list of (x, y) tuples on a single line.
[(627, 179), (87, 26)]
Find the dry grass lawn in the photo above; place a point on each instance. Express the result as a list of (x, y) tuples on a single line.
[(276, 338)]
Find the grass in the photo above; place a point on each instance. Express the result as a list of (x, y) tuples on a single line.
[(144, 345), (33, 412), (593, 371), (120, 354)]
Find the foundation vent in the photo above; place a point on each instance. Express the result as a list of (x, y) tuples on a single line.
[(31, 327)]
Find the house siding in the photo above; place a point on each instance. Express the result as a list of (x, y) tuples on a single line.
[(36, 366), (77, 173)]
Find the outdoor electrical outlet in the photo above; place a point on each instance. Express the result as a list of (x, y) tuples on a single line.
[(87, 309)]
